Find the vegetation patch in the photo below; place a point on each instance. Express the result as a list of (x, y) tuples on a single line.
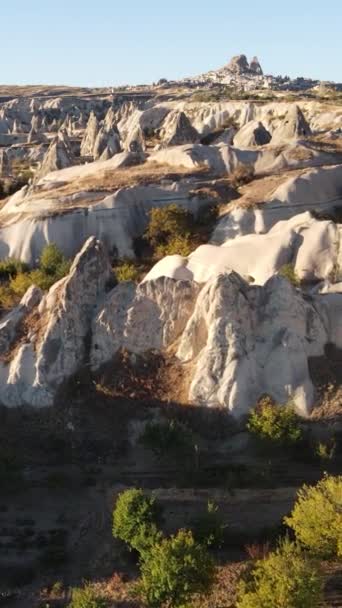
[(286, 578), (278, 424), (317, 517)]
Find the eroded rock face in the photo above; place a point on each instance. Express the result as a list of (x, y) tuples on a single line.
[(177, 130), (56, 346), (57, 157), (238, 340), (10, 324), (150, 316), (238, 64), (246, 341), (89, 137), (252, 134), (294, 126), (107, 141)]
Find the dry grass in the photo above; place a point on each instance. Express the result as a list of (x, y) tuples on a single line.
[(261, 190), (112, 180)]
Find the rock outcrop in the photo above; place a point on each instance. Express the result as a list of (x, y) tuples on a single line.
[(255, 66), (4, 163), (177, 129), (55, 348), (90, 135), (239, 341), (252, 134), (247, 341), (312, 247), (238, 64), (107, 144), (57, 157), (10, 324), (148, 317), (294, 126)]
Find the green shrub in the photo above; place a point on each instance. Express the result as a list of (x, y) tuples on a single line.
[(135, 519), (208, 528), (8, 298), (317, 517), (53, 267), (167, 223), (175, 570), (86, 597), (10, 267), (288, 272), (284, 579), (275, 423), (178, 245), (126, 272), (167, 438), (51, 259), (20, 283)]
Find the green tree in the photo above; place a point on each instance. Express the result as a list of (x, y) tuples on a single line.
[(177, 245), (317, 517), (275, 423), (175, 570), (286, 578), (51, 259), (167, 223), (10, 267), (126, 272), (135, 519)]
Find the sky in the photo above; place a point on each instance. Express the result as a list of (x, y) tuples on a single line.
[(117, 42)]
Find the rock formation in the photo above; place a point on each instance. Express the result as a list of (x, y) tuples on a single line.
[(177, 129), (255, 66), (238, 64), (247, 341), (89, 137), (57, 157), (294, 126), (56, 347), (4, 163), (252, 134), (107, 144)]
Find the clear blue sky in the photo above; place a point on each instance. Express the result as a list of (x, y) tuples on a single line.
[(105, 42)]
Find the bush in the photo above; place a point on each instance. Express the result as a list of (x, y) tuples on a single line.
[(53, 267), (208, 528), (8, 299), (288, 272), (275, 423), (126, 272), (167, 223), (242, 174), (20, 283), (10, 267), (175, 570), (135, 519), (86, 597), (284, 579), (51, 259), (167, 438), (178, 245), (317, 517)]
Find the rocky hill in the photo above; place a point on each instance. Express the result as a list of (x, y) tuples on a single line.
[(170, 259)]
